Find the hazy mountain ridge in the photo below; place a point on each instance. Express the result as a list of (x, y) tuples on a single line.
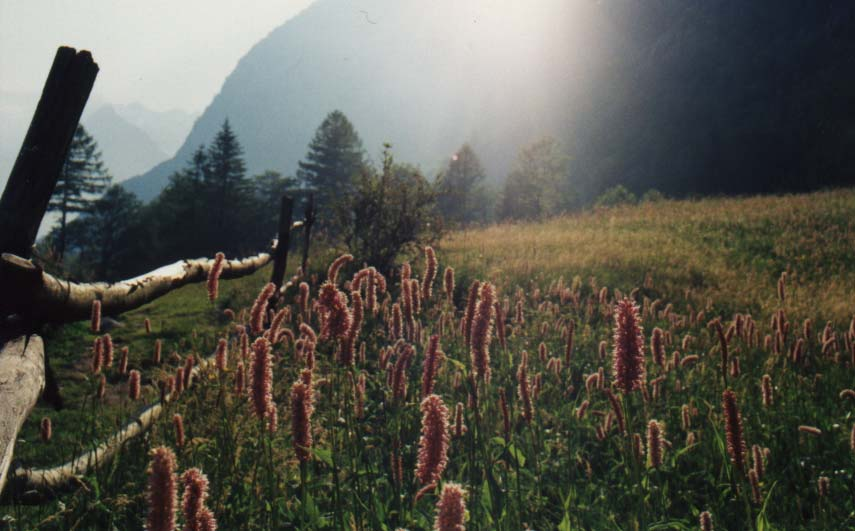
[(426, 80), (167, 129), (125, 148), (688, 97), (131, 137)]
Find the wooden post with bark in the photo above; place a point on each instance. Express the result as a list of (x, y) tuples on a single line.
[(307, 233), (44, 150), (280, 257), (33, 297), (22, 207), (40, 297)]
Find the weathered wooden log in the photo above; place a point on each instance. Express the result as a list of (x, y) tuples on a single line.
[(22, 377), (34, 486), (39, 163), (41, 297), (307, 233), (37, 485)]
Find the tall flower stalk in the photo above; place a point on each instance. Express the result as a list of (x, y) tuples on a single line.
[(434, 441), (261, 379), (481, 333), (736, 447), (162, 490), (628, 357)]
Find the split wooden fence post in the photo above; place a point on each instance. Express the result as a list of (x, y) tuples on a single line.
[(307, 234), (22, 207), (44, 150), (280, 254)]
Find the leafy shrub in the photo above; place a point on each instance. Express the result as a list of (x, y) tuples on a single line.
[(388, 213), (652, 196), (614, 196)]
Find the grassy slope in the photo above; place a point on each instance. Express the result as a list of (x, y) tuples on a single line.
[(184, 321), (728, 252)]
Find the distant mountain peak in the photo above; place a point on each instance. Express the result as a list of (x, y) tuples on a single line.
[(426, 80), (126, 149), (167, 128)]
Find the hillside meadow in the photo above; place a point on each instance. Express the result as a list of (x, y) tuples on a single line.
[(638, 367), (722, 253)]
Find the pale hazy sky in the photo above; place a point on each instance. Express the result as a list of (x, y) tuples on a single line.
[(165, 54)]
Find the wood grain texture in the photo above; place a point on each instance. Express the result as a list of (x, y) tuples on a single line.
[(22, 378)]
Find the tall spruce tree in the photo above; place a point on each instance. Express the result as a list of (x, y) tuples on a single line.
[(228, 191), (82, 179), (334, 159), (461, 196)]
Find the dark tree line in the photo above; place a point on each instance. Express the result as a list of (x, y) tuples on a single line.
[(211, 205)]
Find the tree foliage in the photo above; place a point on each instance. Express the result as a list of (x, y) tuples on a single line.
[(267, 191), (388, 212), (208, 206), (180, 213), (616, 195), (537, 186), (227, 191), (461, 195), (334, 160), (82, 179)]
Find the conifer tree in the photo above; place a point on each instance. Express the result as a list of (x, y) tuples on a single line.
[(268, 189), (228, 190), (103, 236), (182, 212), (82, 179), (334, 159)]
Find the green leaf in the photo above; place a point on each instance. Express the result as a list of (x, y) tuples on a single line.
[(458, 364), (565, 523), (517, 454), (568, 497), (310, 509), (670, 525), (487, 502), (324, 455)]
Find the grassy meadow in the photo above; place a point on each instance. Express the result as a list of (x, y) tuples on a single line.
[(582, 456), (721, 253)]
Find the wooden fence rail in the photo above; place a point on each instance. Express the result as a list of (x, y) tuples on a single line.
[(22, 378), (41, 297), (37, 485), (31, 297)]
